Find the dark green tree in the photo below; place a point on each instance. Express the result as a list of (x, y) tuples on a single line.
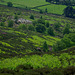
[(66, 29), (59, 45), (9, 4), (45, 47), (50, 31), (31, 27), (46, 10), (32, 16), (57, 26), (68, 11), (47, 24), (40, 28), (10, 23)]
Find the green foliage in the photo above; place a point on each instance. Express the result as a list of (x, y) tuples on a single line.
[(41, 11), (40, 28), (67, 41), (10, 23), (42, 21), (31, 27), (47, 24), (56, 26), (22, 26), (68, 11), (9, 4), (50, 31), (66, 29), (32, 16), (59, 45), (71, 36), (16, 17), (45, 46), (2, 24), (46, 10), (34, 23)]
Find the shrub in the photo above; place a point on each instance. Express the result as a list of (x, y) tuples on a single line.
[(41, 11), (40, 28), (32, 16), (47, 24), (50, 31), (67, 41), (22, 26), (31, 27), (34, 23), (10, 23), (56, 26), (45, 46), (42, 21), (59, 45), (9, 4), (66, 29), (46, 10), (2, 24)]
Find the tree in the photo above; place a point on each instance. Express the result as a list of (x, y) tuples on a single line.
[(67, 41), (9, 4), (32, 16), (50, 31), (40, 28), (2, 24), (47, 24), (68, 11), (59, 45), (56, 26), (45, 46), (41, 11), (10, 23), (46, 10), (66, 29), (22, 26), (31, 27), (41, 21)]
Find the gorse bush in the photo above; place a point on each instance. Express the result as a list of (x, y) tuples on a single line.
[(47, 24), (42, 21)]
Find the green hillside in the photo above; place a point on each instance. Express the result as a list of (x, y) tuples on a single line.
[(26, 51)]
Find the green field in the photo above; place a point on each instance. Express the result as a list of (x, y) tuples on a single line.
[(55, 9), (28, 3)]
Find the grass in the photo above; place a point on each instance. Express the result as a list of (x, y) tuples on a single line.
[(53, 8), (28, 3)]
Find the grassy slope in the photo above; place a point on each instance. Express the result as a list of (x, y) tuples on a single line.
[(18, 43)]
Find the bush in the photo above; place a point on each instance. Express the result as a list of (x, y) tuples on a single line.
[(34, 23), (59, 45), (22, 26), (2, 24), (9, 4), (67, 41), (41, 11), (31, 27), (32, 17), (47, 24), (50, 31), (40, 28), (56, 26), (45, 46), (66, 29), (42, 21), (10, 23)]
